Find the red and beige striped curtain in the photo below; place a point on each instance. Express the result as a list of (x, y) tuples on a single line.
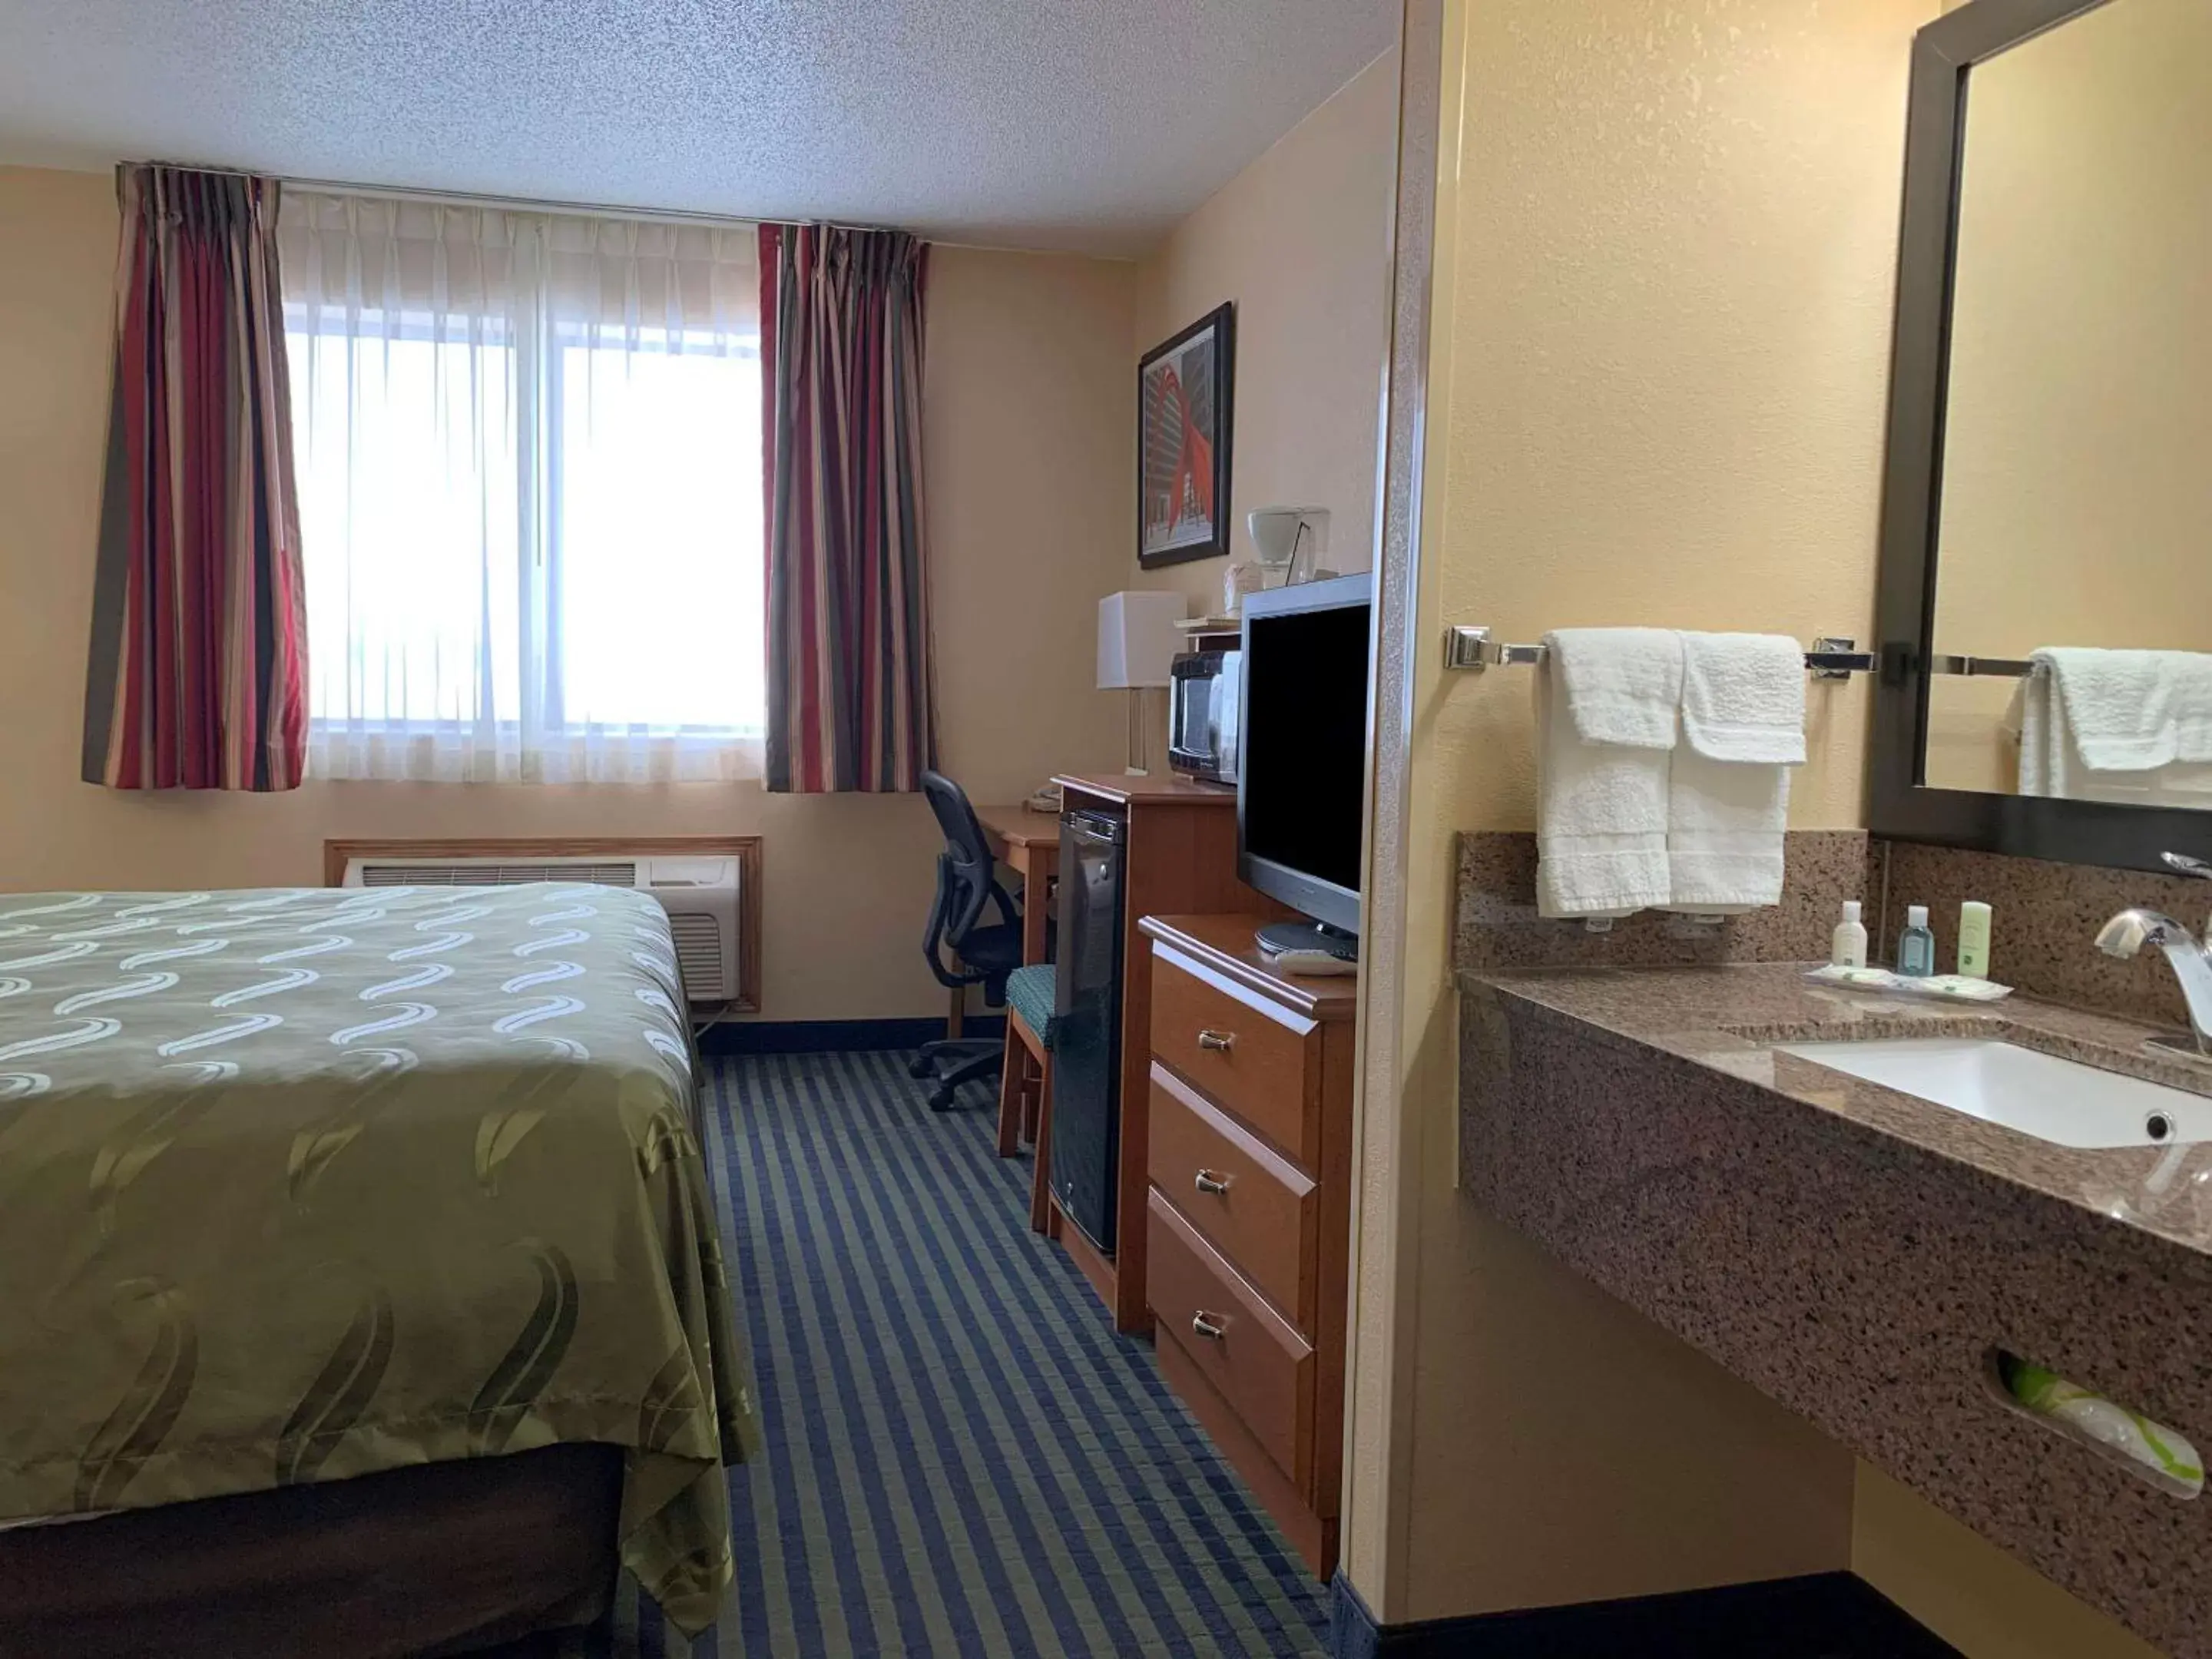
[(198, 676), (848, 681)]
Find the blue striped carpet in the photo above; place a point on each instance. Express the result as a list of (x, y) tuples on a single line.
[(964, 1459)]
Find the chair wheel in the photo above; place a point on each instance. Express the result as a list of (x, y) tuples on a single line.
[(922, 1065), (940, 1100)]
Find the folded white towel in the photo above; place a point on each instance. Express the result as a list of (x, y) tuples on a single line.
[(1743, 697), (1727, 797), (1621, 686), (2144, 706), (2131, 711), (1601, 806)]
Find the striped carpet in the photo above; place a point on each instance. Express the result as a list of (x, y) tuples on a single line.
[(964, 1459)]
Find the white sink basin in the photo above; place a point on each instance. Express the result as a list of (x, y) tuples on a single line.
[(2060, 1101)]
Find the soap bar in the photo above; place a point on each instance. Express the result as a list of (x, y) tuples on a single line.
[(1956, 987), (1867, 978)]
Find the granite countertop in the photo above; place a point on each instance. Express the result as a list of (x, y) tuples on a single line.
[(1730, 1018), (1863, 1255)]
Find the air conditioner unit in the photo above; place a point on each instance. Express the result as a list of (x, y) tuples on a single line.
[(699, 895)]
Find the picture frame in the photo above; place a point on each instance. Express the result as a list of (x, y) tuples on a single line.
[(1185, 422)]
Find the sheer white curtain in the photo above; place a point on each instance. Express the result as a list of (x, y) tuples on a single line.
[(529, 460)]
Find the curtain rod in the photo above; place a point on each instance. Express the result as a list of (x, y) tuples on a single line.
[(480, 199)]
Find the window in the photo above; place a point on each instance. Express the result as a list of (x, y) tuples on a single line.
[(529, 464)]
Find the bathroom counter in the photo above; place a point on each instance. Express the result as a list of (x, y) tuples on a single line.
[(1858, 1252)]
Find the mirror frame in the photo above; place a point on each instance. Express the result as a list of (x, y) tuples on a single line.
[(1900, 804)]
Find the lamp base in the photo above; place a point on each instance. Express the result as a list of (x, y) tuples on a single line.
[(1135, 745)]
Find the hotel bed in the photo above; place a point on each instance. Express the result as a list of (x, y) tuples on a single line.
[(300, 1186)]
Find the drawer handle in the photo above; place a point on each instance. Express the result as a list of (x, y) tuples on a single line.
[(1206, 1325), (1210, 1182), (1219, 1041)]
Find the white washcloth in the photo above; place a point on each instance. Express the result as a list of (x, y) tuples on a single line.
[(1743, 697), (1728, 798), (2143, 703), (1622, 685), (1607, 710), (2133, 711)]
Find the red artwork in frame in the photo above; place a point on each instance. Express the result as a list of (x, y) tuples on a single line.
[(1184, 422)]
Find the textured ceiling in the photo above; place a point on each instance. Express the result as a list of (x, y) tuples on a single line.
[(1090, 125)]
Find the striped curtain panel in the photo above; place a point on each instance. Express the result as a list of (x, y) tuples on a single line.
[(197, 674), (849, 681)]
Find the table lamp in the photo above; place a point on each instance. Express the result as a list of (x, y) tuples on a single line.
[(1136, 643)]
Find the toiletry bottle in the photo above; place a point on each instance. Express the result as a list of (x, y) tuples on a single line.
[(1916, 947), (1848, 949), (1974, 939)]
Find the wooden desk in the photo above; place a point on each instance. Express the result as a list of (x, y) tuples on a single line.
[(1029, 842)]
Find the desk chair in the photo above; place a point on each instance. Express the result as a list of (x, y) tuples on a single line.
[(1025, 1089), (984, 953)]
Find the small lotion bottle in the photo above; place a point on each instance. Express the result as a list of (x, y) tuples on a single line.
[(1848, 947), (1916, 946), (1973, 939)]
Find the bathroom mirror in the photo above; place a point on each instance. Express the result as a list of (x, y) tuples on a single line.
[(2046, 601)]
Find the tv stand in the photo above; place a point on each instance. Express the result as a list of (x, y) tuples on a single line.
[(1249, 1212)]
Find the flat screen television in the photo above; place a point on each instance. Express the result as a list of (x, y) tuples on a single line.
[(1302, 772)]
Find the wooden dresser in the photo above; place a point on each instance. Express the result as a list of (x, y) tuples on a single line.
[(1249, 1154)]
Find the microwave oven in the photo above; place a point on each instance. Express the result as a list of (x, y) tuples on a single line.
[(1203, 722)]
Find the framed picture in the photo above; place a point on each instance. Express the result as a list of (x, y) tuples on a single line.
[(1183, 427)]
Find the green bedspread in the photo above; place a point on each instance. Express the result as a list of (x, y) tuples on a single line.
[(299, 1184)]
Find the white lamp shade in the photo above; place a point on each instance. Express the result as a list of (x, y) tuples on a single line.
[(1137, 638)]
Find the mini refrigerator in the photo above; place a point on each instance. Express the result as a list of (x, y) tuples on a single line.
[(1086, 1042)]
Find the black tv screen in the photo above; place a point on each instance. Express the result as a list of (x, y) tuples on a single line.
[(1304, 771)]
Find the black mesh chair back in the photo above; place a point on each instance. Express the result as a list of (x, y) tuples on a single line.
[(986, 951), (965, 870)]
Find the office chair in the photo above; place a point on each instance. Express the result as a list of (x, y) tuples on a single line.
[(966, 883)]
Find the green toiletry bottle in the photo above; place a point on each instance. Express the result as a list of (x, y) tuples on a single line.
[(1974, 939)]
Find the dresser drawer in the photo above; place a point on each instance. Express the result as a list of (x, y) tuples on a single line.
[(1247, 1200), (1260, 1060), (1263, 1368)]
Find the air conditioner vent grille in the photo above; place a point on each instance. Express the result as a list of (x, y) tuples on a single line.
[(698, 953), (619, 873)]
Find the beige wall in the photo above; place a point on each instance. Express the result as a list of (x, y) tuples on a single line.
[(1659, 341), (1657, 379), (1301, 241), (1027, 416), (2076, 492)]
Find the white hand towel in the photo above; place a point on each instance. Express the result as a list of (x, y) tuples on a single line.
[(2034, 718), (1607, 702), (1725, 821), (1728, 798)]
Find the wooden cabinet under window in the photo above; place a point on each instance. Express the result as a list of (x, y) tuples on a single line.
[(1248, 1211)]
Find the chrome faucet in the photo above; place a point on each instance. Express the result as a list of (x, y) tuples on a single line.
[(2127, 933)]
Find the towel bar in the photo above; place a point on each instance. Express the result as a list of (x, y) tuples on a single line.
[(2013, 668), (1831, 658)]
